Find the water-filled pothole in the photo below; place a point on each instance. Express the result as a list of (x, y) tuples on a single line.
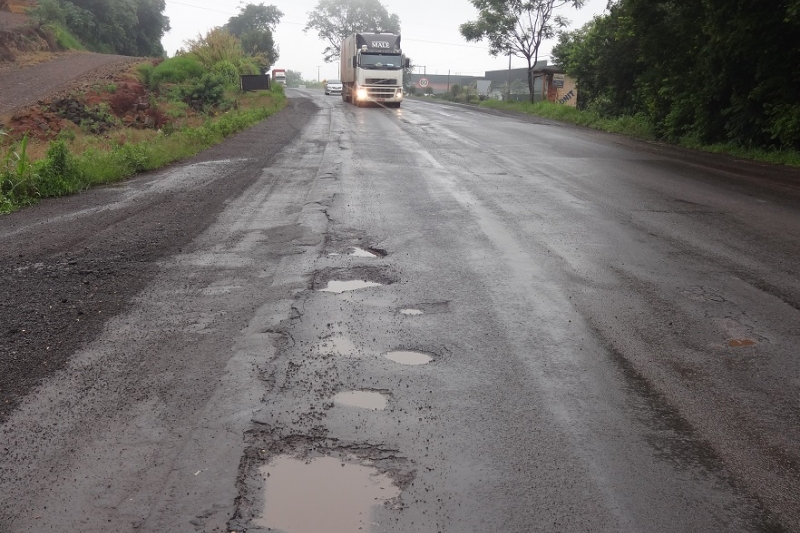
[(361, 398), (353, 278), (411, 312), (323, 494), (345, 286), (361, 252), (409, 358)]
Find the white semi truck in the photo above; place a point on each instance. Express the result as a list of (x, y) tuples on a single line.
[(372, 69)]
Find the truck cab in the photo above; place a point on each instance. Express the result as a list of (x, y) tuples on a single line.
[(372, 69), (279, 76)]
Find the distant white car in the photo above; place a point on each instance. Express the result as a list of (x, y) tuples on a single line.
[(333, 87)]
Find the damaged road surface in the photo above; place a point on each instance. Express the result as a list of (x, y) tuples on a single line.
[(432, 319)]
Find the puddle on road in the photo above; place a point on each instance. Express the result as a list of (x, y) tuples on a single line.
[(361, 398), (411, 312), (409, 358), (360, 252), (338, 345), (739, 343), (323, 494), (344, 286)]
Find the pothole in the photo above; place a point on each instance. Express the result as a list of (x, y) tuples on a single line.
[(345, 286), (322, 494), (411, 312), (362, 399), (405, 357), (361, 252), (340, 280)]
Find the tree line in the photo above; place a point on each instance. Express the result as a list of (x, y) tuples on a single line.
[(126, 27), (701, 71)]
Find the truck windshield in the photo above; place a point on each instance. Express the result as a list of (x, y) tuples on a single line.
[(381, 62)]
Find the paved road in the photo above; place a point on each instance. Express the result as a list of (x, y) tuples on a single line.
[(556, 330)]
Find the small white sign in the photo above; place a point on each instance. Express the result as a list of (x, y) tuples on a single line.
[(423, 82)]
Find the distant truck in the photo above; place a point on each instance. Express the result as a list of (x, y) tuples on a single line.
[(372, 69), (279, 76)]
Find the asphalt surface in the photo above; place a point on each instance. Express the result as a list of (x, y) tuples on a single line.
[(609, 326)]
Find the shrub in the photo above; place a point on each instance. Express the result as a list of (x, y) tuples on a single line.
[(208, 91), (178, 69), (228, 72), (216, 46), (57, 174)]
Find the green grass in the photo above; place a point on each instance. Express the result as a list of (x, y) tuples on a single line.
[(640, 128), (65, 39), (60, 172)]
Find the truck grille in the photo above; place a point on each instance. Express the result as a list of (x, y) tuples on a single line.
[(380, 81), (381, 92)]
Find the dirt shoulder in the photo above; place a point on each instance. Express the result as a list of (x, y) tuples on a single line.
[(24, 87)]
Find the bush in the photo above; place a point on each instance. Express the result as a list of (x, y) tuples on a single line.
[(178, 69), (216, 46), (227, 71), (208, 91), (57, 173)]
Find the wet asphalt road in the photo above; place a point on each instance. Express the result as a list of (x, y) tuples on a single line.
[(612, 329)]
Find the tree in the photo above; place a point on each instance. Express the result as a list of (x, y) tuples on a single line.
[(701, 72), (254, 26), (336, 19), (517, 27), (293, 78), (254, 17), (127, 27), (408, 80), (47, 12)]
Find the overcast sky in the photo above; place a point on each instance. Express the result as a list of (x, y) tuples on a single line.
[(429, 31)]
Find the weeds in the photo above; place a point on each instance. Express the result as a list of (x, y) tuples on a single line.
[(89, 161), (17, 178)]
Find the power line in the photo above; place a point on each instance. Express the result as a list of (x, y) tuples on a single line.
[(448, 44), (199, 7)]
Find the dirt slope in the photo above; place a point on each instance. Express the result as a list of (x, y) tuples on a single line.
[(24, 87)]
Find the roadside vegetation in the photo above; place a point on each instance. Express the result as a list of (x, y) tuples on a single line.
[(157, 112), (717, 75)]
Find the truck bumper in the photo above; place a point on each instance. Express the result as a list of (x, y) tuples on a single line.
[(378, 94)]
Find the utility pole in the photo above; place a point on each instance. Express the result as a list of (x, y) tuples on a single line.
[(318, 67), (508, 85), (448, 80)]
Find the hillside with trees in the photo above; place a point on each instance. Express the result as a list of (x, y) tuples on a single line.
[(125, 27)]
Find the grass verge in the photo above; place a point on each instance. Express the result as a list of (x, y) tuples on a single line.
[(640, 128), (60, 171)]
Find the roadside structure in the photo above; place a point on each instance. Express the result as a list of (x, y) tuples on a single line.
[(550, 83)]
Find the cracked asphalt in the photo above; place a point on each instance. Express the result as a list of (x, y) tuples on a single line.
[(607, 332)]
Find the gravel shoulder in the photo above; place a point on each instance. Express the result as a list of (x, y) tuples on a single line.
[(26, 86)]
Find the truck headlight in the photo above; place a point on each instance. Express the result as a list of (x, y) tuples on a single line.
[(361, 94), (399, 93)]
